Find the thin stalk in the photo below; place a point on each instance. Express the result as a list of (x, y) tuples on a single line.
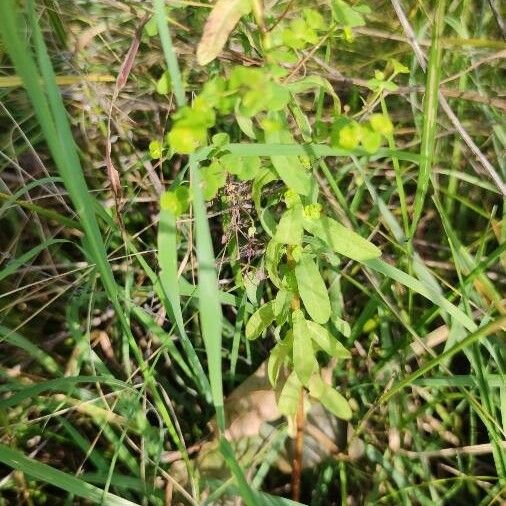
[(430, 109), (298, 448)]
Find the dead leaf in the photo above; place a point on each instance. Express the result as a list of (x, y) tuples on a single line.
[(251, 404), (128, 62), (220, 23), (253, 418), (124, 72), (112, 173)]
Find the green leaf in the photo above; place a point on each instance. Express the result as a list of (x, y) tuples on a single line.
[(278, 96), (329, 397), (172, 203), (211, 316), (317, 150), (381, 123), (186, 139), (329, 344), (304, 361), (164, 85), (246, 77), (289, 229), (251, 280), (350, 136), (189, 130), (342, 326), (213, 178), (244, 168), (314, 19), (313, 211), (346, 15), (273, 254), (312, 290), (176, 201), (288, 401), (36, 352), (398, 67), (264, 177), (155, 150), (316, 386), (248, 495), (254, 101), (335, 402), (371, 140), (260, 320), (415, 285), (342, 240), (282, 305), (220, 139), (25, 258), (291, 40), (245, 124), (277, 356), (150, 28), (289, 168), (302, 31), (380, 84), (315, 83)]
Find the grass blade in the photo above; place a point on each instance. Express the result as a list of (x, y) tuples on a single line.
[(168, 51), (474, 337), (19, 341), (430, 107), (17, 460), (14, 265), (209, 304), (420, 288), (167, 259)]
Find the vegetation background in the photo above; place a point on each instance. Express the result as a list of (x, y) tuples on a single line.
[(114, 353)]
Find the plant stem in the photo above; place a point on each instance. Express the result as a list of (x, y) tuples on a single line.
[(298, 449)]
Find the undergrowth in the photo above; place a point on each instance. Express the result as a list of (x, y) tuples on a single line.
[(252, 252)]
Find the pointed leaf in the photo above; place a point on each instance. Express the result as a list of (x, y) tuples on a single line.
[(289, 168), (335, 402), (346, 15), (316, 386), (304, 361), (282, 305), (277, 356), (342, 240), (273, 254), (213, 177), (312, 290), (289, 398), (289, 229), (326, 341), (260, 320)]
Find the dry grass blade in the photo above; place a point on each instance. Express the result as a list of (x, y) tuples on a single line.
[(124, 72), (220, 23)]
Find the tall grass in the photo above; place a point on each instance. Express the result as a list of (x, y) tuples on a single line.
[(127, 394)]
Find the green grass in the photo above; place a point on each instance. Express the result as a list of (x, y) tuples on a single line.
[(122, 325)]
